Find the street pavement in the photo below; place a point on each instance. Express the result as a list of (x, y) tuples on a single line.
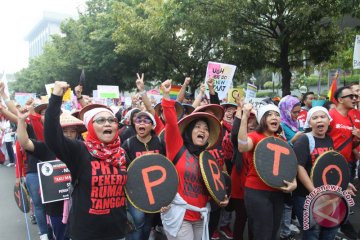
[(12, 220)]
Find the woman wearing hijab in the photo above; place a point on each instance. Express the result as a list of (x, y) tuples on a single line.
[(187, 217), (98, 171), (264, 204), (290, 108)]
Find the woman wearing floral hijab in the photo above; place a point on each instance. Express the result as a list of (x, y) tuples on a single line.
[(98, 171), (290, 108)]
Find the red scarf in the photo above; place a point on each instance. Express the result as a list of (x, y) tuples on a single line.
[(111, 152), (227, 126)]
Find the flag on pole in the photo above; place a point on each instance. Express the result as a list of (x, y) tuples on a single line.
[(333, 88), (82, 78)]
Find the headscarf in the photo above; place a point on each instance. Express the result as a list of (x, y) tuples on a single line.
[(286, 105), (111, 152), (187, 137), (312, 111)]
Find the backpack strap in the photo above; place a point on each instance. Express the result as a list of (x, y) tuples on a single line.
[(311, 142), (178, 155)]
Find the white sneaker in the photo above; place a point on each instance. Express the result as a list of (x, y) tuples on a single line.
[(294, 229), (10, 165), (44, 237)]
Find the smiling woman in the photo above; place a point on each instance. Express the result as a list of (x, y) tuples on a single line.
[(97, 212)]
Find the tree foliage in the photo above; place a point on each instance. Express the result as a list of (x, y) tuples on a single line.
[(114, 39)]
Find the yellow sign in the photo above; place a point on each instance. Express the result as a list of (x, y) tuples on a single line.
[(233, 92)]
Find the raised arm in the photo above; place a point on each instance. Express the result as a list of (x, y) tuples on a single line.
[(245, 143), (141, 87), (9, 103), (78, 93), (7, 114), (22, 135), (199, 97), (214, 98), (181, 96), (172, 132), (65, 149)]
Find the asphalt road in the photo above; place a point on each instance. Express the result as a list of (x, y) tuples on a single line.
[(12, 220)]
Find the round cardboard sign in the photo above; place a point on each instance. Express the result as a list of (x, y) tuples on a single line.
[(213, 177), (275, 161), (152, 182), (330, 168), (22, 197)]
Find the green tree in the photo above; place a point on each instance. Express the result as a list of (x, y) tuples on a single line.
[(283, 34), (175, 39)]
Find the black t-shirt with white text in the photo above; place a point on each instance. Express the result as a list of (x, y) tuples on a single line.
[(305, 159)]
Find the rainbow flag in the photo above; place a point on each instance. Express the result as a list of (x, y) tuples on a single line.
[(174, 92), (333, 88)]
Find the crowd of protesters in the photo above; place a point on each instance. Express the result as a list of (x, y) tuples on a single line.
[(93, 137)]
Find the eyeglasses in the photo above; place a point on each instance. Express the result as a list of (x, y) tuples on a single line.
[(295, 112), (352, 96), (102, 120), (144, 120)]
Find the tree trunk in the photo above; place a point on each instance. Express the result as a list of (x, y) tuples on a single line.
[(285, 68)]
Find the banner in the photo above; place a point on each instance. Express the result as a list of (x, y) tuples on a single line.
[(21, 98), (250, 92), (356, 58), (108, 91), (55, 180), (232, 94), (223, 75)]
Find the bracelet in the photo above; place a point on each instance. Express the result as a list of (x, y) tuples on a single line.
[(79, 98), (242, 142), (142, 92)]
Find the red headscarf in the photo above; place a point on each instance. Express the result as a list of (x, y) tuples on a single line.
[(111, 152)]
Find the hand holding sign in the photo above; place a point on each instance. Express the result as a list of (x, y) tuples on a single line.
[(225, 202), (211, 83), (290, 186), (140, 82), (351, 190), (60, 87)]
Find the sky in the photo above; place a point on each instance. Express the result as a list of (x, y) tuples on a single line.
[(17, 19)]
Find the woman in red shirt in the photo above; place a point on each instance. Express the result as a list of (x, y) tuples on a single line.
[(185, 141), (264, 204)]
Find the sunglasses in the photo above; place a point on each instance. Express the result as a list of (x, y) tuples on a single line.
[(352, 96), (103, 120), (144, 120)]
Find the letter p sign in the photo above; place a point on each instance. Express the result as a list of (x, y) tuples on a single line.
[(148, 184)]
